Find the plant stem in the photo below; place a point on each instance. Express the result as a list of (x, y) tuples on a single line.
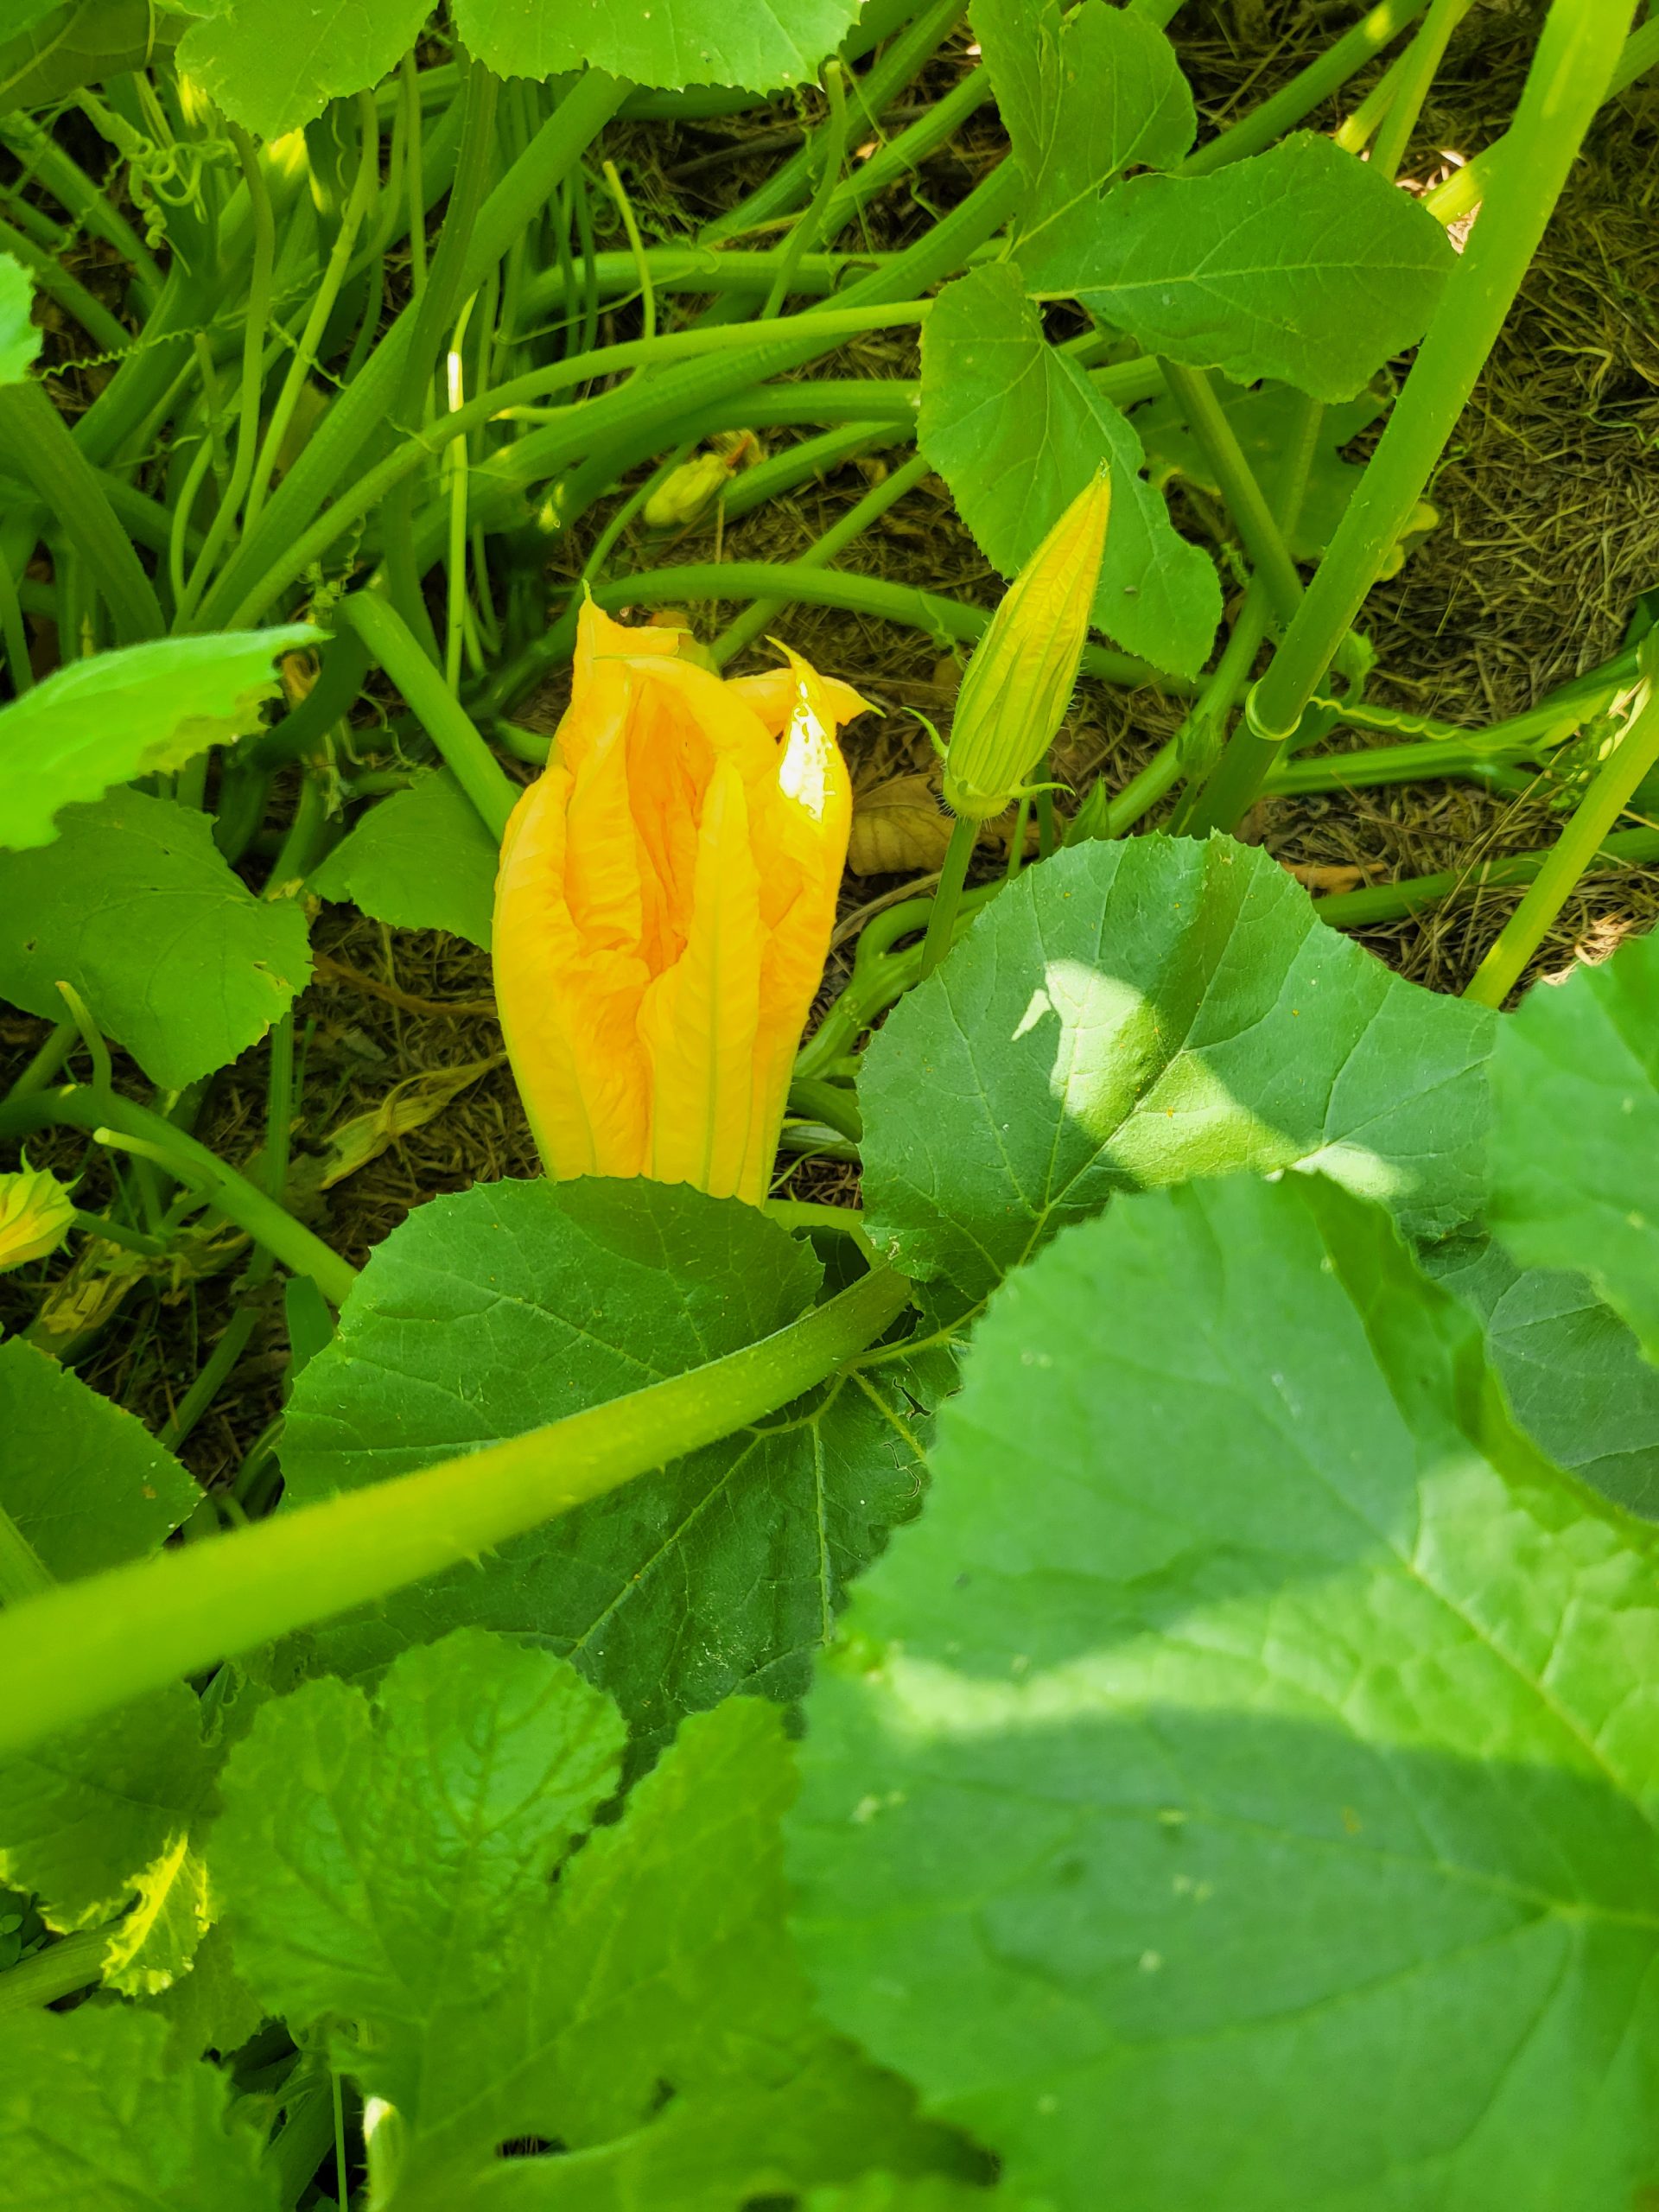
[(1575, 60), (1246, 503), (87, 1647), (1609, 794), (810, 226), (1392, 902), (73, 1963), (442, 717), (293, 1243), (39, 449), (1257, 129), (942, 917), (1418, 65)]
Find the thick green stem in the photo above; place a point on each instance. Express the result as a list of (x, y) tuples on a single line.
[(1609, 794), (86, 1648), (1259, 129), (440, 714), (1246, 503), (1394, 902), (58, 1971), (1576, 53), (292, 1242)]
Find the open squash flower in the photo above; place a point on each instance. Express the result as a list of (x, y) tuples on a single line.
[(663, 908)]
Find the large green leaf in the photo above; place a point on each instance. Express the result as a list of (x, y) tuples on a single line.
[(1239, 1790), (421, 860), (757, 44), (275, 65), (134, 904), (87, 1485), (1081, 99), (52, 52), (116, 715), (1301, 263), (646, 2015), (377, 1871), (1144, 1012), (20, 341), (489, 1312), (1575, 1147), (94, 2114), (1017, 430)]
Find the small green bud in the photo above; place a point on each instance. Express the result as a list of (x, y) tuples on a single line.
[(694, 485), (35, 1211), (1017, 681)]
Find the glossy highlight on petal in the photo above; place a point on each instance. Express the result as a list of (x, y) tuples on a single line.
[(663, 908)]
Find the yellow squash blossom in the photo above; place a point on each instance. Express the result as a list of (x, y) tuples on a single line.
[(664, 908)]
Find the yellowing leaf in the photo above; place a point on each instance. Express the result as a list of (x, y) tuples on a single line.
[(407, 1106), (899, 825)]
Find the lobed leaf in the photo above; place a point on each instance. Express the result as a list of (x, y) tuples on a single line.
[(1254, 1728), (759, 44), (1301, 263), (144, 709), (273, 66), (94, 2113), (487, 1313), (1142, 1013), (1018, 431), (421, 860), (135, 906)]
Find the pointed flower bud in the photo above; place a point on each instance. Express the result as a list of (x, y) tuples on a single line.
[(1017, 681), (35, 1212), (664, 908)]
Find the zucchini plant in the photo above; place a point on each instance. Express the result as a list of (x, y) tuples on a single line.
[(1117, 1669)]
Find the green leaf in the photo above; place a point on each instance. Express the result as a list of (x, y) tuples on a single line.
[(100, 1813), (421, 860), (275, 65), (1301, 263), (1575, 1145), (647, 2014), (487, 1313), (372, 1863), (889, 2193), (759, 44), (1239, 1789), (1017, 430), (87, 1485), (210, 2008), (120, 715), (1143, 1013), (135, 905), (1264, 422), (1579, 1384), (94, 2114), (54, 52), (1081, 99), (20, 341)]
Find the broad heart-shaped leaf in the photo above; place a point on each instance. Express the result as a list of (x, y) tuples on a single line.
[(1144, 1012), (20, 341), (1081, 99), (119, 714), (1575, 1142), (87, 1485), (55, 51), (759, 44), (421, 860), (1264, 420), (373, 1864), (275, 65), (1301, 263), (1017, 430), (1239, 1790), (647, 2014), (511, 1304), (94, 2114), (134, 904)]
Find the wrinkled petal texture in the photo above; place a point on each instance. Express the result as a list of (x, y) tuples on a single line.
[(663, 908)]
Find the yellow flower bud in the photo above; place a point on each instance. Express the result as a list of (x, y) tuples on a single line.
[(35, 1211), (1017, 681), (664, 909), (694, 485)]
